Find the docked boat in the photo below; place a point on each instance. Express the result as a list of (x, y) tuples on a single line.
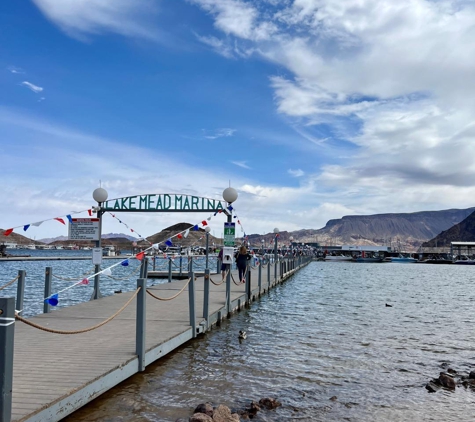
[(369, 257), (402, 259), (338, 258), (464, 260)]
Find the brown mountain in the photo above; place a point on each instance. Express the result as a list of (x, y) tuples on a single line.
[(461, 232), (194, 238)]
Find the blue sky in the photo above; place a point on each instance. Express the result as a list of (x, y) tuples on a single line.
[(312, 109)]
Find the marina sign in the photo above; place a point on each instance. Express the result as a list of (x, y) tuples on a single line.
[(163, 202), (83, 229)]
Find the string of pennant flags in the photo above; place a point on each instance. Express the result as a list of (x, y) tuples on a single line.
[(60, 219), (53, 299)]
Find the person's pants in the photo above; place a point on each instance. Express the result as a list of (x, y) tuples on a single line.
[(241, 270)]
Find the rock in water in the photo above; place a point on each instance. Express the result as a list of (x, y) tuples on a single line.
[(205, 408), (447, 381)]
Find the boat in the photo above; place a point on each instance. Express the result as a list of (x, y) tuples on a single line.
[(401, 259), (369, 257), (338, 258), (464, 260)]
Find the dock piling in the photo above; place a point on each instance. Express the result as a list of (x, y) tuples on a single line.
[(7, 333), (48, 281), (191, 297), (20, 290), (141, 323)]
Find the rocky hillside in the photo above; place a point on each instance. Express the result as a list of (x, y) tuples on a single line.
[(407, 231), (461, 232)]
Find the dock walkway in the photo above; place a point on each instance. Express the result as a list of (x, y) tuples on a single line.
[(56, 374)]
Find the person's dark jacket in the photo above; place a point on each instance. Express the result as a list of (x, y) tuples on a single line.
[(241, 260)]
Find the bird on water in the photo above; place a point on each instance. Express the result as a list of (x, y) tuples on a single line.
[(242, 335)]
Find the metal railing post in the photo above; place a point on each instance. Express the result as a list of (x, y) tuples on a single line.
[(48, 280), (181, 261), (191, 300), (7, 334), (206, 297), (248, 283), (259, 282), (20, 290), (144, 268), (268, 275), (140, 323), (169, 270)]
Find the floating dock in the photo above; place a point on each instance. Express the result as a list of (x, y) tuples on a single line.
[(56, 374)]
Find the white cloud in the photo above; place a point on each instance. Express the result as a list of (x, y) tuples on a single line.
[(220, 133), (35, 88), (296, 173), (79, 18), (241, 164), (16, 70)]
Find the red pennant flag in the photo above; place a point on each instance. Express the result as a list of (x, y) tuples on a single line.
[(89, 212), (132, 230), (8, 232), (60, 220), (179, 235), (204, 223), (140, 256)]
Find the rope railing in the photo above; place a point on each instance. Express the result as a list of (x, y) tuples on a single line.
[(84, 330), (222, 281), (10, 283), (125, 277), (71, 278), (169, 298)]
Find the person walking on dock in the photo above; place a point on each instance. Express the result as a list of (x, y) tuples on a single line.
[(224, 267), (242, 256)]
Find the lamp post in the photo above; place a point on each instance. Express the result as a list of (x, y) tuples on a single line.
[(263, 242), (100, 196), (276, 234), (207, 230), (229, 195)]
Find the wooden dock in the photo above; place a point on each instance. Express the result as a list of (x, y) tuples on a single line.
[(56, 374)]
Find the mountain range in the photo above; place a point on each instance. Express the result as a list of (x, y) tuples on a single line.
[(404, 231)]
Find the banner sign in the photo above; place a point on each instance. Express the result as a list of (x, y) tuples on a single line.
[(163, 202), (229, 234), (83, 229)]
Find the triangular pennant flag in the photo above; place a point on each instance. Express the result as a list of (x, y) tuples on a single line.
[(60, 220), (107, 272), (215, 213), (37, 224), (89, 212), (230, 208), (52, 300), (169, 242), (209, 218), (179, 235), (8, 232), (70, 219), (140, 256), (84, 281), (113, 215), (195, 227), (125, 263), (132, 230), (187, 232), (204, 223), (26, 227), (235, 216), (155, 245)]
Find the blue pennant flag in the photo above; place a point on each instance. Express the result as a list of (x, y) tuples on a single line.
[(125, 263), (230, 208), (215, 213), (235, 216), (26, 227), (70, 219), (52, 300), (169, 243), (196, 227)]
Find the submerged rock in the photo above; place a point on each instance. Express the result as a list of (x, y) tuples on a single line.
[(269, 403), (206, 408)]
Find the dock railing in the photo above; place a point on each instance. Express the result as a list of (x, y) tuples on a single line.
[(9, 307)]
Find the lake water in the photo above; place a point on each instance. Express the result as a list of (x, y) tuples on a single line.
[(325, 332)]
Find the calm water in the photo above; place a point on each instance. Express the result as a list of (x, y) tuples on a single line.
[(325, 332)]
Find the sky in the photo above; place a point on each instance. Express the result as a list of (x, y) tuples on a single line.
[(310, 109)]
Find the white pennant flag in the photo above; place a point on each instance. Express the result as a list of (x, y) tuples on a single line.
[(187, 232), (155, 245), (38, 224), (107, 271)]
